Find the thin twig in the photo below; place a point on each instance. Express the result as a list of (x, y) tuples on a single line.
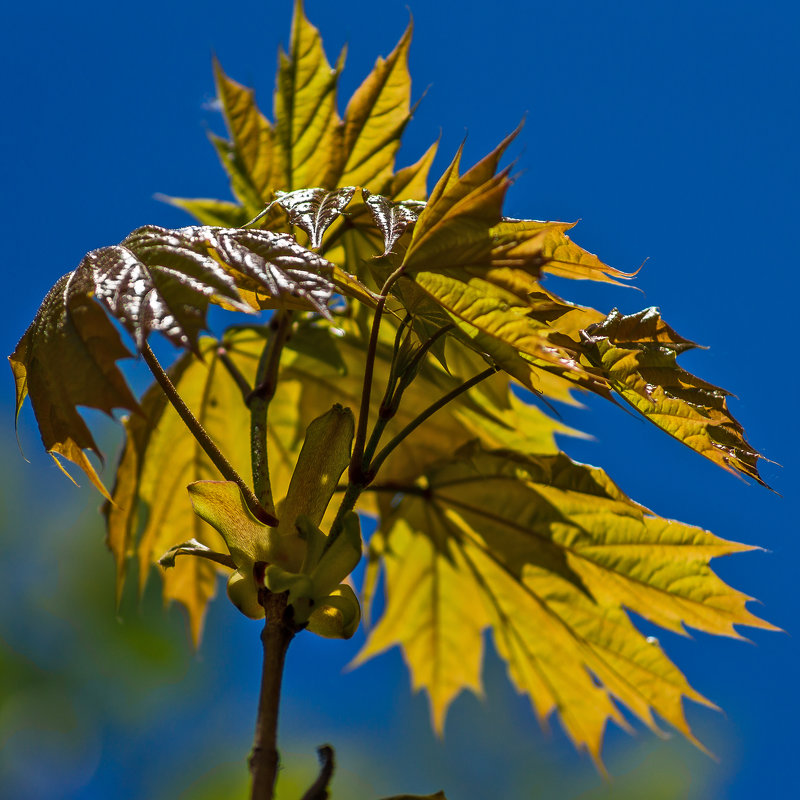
[(373, 467), (319, 789), (203, 439)]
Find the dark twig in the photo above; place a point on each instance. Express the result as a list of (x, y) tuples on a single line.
[(319, 789), (356, 472)]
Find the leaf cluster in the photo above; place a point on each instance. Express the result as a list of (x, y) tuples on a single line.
[(398, 303)]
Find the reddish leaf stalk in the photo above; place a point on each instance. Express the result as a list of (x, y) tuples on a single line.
[(203, 439)]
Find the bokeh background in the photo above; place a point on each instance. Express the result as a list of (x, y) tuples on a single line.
[(669, 128)]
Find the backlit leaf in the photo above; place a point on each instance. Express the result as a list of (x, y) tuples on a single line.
[(559, 255), (67, 358), (305, 107), (548, 553), (484, 271), (215, 213), (251, 133), (499, 421), (374, 121), (638, 352), (309, 146)]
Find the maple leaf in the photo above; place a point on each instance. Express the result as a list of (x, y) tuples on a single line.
[(638, 352), (548, 554), (67, 358), (311, 155)]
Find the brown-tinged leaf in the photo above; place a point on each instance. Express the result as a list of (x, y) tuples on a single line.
[(484, 272), (548, 553), (558, 254), (160, 280), (638, 353), (392, 217), (67, 358), (272, 268), (313, 210)]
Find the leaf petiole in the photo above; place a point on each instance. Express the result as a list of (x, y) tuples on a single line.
[(203, 439), (376, 463)]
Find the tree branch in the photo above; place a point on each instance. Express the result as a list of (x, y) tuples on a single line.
[(275, 638)]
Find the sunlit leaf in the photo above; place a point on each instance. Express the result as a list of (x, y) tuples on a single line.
[(276, 270), (558, 254), (411, 183), (374, 121), (547, 553), (313, 210), (305, 107), (250, 131), (460, 205), (67, 358), (241, 184), (638, 352), (484, 272), (309, 146), (216, 213), (160, 280)]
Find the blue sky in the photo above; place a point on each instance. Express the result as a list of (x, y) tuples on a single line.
[(669, 129)]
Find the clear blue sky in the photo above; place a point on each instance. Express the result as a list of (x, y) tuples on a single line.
[(669, 128)]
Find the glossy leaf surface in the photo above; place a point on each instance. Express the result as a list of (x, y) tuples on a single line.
[(67, 358)]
